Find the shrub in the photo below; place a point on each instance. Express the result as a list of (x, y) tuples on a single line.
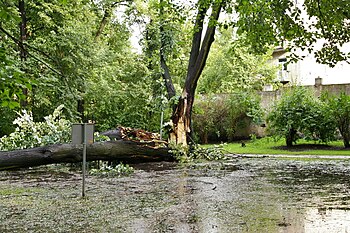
[(29, 134), (207, 117), (339, 109), (220, 117), (300, 114), (7, 116)]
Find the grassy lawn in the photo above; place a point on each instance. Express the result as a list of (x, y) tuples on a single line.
[(270, 146)]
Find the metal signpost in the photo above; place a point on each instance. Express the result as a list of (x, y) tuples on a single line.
[(83, 134)]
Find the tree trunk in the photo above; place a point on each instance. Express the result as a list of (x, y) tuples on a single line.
[(23, 29), (346, 138), (22, 39), (290, 137), (166, 73), (346, 142), (103, 23), (81, 108), (205, 137), (181, 118), (344, 128), (125, 151)]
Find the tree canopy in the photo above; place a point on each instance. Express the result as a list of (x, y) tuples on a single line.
[(79, 53), (298, 24)]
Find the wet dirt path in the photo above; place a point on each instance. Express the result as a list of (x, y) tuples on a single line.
[(240, 195)]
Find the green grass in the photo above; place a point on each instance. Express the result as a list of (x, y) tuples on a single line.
[(270, 146)]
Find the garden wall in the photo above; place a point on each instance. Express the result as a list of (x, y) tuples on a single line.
[(268, 98)]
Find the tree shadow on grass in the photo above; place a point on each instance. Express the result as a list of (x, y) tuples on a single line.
[(308, 147)]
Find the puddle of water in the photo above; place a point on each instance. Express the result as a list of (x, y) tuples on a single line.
[(326, 220), (242, 195)]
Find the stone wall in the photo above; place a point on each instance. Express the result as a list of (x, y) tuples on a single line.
[(268, 98)]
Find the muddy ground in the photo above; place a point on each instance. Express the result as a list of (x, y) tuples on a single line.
[(240, 195)]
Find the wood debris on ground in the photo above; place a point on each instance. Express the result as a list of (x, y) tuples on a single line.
[(137, 135)]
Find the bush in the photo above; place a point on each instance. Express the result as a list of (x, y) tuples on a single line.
[(206, 117), (300, 114), (29, 134), (7, 116), (220, 117), (339, 110)]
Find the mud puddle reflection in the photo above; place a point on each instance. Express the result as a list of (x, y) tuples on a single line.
[(243, 195)]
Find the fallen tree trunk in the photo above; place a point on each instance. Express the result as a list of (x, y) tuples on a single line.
[(124, 151)]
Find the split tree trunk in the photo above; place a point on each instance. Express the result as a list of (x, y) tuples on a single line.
[(124, 151), (181, 118)]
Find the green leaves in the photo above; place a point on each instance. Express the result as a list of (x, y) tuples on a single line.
[(339, 111), (127, 98), (112, 171), (231, 67), (12, 81), (8, 12), (219, 117), (300, 114), (300, 25), (28, 133)]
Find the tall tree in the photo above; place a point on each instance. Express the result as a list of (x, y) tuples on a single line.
[(181, 117), (12, 79), (265, 23)]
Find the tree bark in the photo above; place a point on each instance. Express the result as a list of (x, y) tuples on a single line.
[(22, 39), (23, 29), (290, 138), (181, 118), (125, 151), (103, 23), (81, 108), (344, 128)]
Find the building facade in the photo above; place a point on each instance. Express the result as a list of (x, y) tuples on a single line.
[(305, 71)]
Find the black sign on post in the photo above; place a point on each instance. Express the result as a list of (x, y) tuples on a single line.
[(83, 134)]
